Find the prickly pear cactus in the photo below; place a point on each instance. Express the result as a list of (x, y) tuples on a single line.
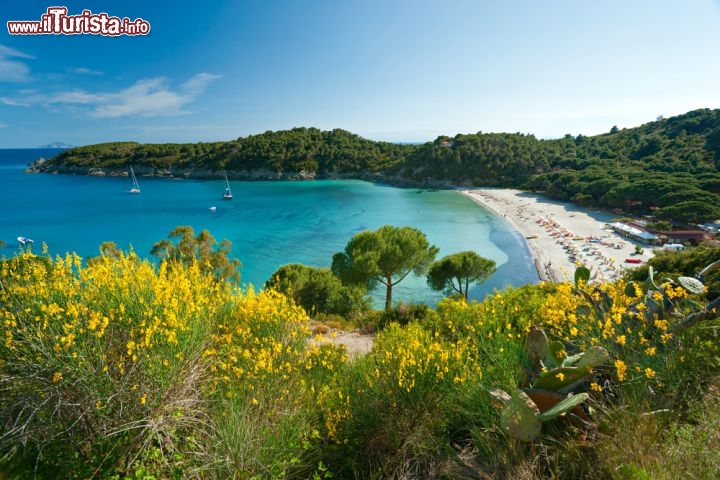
[(631, 289), (563, 407), (594, 357), (536, 345), (650, 282), (582, 274), (556, 351), (520, 419), (692, 285), (499, 397), (559, 378)]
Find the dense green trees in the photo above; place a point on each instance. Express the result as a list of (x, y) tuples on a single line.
[(201, 248), (384, 256), (479, 159), (455, 273), (317, 290), (300, 149)]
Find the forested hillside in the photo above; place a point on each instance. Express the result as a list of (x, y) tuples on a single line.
[(669, 167), (307, 149)]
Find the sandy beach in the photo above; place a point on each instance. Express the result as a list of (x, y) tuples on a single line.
[(561, 235)]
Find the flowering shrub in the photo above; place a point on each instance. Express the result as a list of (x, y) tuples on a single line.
[(134, 364), (413, 363), (615, 316), (118, 367), (107, 357)]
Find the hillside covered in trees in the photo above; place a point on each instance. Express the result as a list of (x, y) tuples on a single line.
[(669, 167), (300, 149)]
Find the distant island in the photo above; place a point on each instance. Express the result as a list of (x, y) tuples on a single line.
[(56, 145), (669, 168)]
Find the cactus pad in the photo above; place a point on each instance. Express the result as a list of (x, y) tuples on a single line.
[(536, 345), (631, 289), (558, 378), (564, 406), (582, 273), (692, 285), (594, 357), (520, 417), (557, 352)]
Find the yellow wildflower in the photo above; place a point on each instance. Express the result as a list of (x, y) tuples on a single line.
[(595, 387), (621, 369), (649, 372), (57, 377)]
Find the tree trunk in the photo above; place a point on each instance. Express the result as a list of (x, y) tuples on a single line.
[(388, 296)]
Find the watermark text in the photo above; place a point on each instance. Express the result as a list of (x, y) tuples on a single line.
[(56, 21)]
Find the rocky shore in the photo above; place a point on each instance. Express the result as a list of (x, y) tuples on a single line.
[(262, 174)]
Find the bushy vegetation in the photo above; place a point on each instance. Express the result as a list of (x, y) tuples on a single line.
[(318, 291), (119, 368), (688, 262)]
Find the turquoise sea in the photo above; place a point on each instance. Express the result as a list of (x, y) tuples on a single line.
[(269, 223)]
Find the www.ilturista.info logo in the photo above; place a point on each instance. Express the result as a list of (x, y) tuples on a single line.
[(57, 22)]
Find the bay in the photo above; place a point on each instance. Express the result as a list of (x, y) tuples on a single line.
[(269, 223)]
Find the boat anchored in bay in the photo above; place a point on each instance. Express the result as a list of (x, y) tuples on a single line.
[(136, 186), (228, 193)]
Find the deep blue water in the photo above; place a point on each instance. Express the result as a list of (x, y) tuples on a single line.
[(269, 223)]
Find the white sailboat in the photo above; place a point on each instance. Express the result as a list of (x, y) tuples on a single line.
[(136, 186), (228, 193)]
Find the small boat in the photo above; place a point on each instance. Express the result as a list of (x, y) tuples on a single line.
[(212, 209), (136, 186), (25, 240), (633, 260), (228, 193)]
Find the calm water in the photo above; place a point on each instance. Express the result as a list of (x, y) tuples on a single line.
[(269, 223)]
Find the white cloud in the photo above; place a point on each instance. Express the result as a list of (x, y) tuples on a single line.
[(75, 96), (150, 97), (197, 84), (12, 70), (86, 71), (3, 125), (14, 102)]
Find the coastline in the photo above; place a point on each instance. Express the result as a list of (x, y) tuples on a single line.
[(561, 235)]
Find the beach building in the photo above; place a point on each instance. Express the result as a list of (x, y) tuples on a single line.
[(635, 233), (693, 237), (639, 231)]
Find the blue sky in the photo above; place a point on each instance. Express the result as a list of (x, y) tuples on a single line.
[(397, 70)]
